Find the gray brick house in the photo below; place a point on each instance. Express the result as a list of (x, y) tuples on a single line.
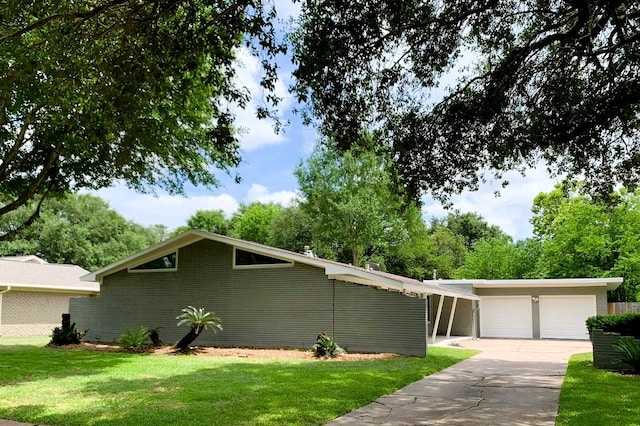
[(266, 298)]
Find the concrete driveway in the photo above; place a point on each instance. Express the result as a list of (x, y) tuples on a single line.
[(511, 382)]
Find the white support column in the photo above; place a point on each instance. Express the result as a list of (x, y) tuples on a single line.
[(453, 311), (437, 324)]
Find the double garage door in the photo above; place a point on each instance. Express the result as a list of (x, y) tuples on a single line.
[(559, 317)]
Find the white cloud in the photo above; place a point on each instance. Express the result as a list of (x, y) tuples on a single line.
[(257, 133), (260, 193), (511, 211), (168, 210)]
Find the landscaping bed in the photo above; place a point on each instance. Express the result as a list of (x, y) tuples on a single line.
[(231, 352)]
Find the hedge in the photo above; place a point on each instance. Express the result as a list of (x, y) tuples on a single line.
[(625, 324)]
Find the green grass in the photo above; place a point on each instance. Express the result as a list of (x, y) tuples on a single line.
[(591, 396), (61, 387)]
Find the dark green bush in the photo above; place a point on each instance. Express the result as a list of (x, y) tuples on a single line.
[(326, 347), (629, 349), (66, 335), (135, 339), (624, 324)]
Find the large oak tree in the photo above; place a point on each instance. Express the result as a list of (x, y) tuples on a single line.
[(550, 80), (94, 91)]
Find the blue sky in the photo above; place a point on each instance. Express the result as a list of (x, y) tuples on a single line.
[(269, 160)]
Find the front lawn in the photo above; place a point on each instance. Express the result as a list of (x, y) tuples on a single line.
[(591, 396), (62, 387)]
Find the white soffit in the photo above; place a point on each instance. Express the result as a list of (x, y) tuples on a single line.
[(609, 283)]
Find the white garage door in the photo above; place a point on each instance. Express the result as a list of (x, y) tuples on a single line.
[(506, 316), (563, 317)]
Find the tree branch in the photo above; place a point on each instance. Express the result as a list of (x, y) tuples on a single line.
[(19, 142), (31, 190), (34, 216), (71, 15)]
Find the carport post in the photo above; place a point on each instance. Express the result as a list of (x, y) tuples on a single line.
[(437, 324), (453, 310)]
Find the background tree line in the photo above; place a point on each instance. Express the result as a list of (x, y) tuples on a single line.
[(348, 210)]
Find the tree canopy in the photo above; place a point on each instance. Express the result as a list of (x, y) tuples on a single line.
[(207, 220), (586, 237), (549, 80), (80, 230), (92, 92), (350, 200), (252, 222)]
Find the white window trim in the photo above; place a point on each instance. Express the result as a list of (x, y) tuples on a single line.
[(289, 263), (144, 271)]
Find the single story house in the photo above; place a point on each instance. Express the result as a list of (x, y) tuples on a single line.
[(266, 297), (272, 298), (34, 294)]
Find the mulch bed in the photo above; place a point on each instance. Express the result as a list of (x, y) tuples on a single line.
[(228, 352)]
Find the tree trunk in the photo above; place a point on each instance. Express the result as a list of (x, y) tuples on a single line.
[(192, 335)]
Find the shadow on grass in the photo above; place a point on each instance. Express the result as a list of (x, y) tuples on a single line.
[(230, 391), (26, 363)]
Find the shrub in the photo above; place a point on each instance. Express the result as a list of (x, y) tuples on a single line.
[(326, 347), (624, 324), (135, 339), (629, 349), (198, 320), (68, 334)]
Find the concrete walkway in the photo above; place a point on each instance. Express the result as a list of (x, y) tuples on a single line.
[(511, 382)]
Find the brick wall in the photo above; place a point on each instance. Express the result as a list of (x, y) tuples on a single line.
[(31, 313)]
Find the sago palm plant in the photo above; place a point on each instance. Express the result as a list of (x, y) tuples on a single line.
[(198, 321)]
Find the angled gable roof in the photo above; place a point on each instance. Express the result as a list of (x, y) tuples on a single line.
[(333, 270), (18, 274)]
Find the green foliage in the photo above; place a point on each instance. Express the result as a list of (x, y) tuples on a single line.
[(291, 229), (198, 320), (547, 80), (252, 222), (629, 349), (500, 258), (471, 226), (586, 237), (66, 335), (625, 324), (123, 90), (326, 347), (135, 339), (207, 220), (350, 201), (78, 229)]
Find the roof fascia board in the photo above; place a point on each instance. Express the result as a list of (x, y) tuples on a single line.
[(432, 289), (364, 281), (610, 283), (43, 289)]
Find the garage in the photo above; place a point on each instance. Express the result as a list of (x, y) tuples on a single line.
[(563, 317), (506, 316)]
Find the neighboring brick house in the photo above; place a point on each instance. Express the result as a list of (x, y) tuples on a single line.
[(34, 294)]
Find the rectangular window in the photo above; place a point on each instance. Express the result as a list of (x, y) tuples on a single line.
[(165, 263), (248, 259)]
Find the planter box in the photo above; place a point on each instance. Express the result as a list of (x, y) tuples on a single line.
[(604, 354)]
